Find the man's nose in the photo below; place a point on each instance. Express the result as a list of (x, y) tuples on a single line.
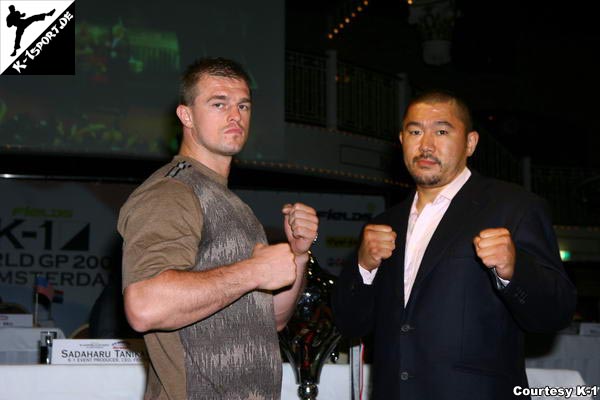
[(427, 143), (235, 114)]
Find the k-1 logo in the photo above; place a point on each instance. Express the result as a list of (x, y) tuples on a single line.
[(20, 234), (37, 37)]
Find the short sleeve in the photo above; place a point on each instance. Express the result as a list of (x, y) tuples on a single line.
[(161, 226)]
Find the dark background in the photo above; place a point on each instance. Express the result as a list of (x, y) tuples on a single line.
[(528, 68)]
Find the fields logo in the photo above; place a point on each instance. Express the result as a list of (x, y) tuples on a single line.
[(37, 37)]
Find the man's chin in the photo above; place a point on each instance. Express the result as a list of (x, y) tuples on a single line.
[(426, 180), (232, 151)]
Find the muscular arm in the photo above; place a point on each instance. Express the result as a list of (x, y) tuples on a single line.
[(285, 301), (300, 225), (161, 227), (174, 299)]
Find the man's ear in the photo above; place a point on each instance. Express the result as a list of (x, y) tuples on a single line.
[(184, 115), (472, 140), (400, 136)]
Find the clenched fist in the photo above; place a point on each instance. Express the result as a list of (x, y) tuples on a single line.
[(378, 243), (496, 249), (300, 225), (275, 266)]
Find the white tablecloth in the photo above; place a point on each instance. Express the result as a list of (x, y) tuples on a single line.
[(575, 352), (127, 382), (72, 382), (540, 378), (22, 345)]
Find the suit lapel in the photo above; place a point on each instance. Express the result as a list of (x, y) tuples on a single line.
[(464, 206), (396, 261)]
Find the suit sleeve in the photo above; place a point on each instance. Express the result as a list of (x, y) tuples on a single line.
[(540, 296), (353, 303)]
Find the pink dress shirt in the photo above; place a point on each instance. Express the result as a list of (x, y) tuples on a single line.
[(420, 230)]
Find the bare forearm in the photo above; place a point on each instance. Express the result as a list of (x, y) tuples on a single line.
[(174, 299), (285, 301)]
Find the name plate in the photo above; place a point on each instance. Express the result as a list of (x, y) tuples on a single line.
[(99, 351), (16, 320)]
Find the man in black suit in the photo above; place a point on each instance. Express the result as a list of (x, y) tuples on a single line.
[(449, 280)]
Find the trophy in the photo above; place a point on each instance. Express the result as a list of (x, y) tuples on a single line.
[(310, 336)]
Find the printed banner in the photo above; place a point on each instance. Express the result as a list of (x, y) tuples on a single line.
[(64, 234)]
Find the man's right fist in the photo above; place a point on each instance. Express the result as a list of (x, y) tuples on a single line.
[(378, 243), (275, 265)]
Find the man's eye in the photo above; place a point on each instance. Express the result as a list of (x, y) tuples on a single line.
[(244, 107), (219, 105), (442, 132), (414, 132)]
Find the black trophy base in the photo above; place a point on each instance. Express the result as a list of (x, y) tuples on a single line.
[(308, 391)]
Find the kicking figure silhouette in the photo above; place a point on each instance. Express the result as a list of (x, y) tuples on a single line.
[(16, 18)]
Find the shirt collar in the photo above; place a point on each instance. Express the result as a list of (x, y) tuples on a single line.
[(453, 187), (448, 192), (203, 168)]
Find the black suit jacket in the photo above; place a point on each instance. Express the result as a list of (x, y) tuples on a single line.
[(459, 336)]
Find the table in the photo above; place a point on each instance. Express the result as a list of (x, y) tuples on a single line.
[(566, 351), (127, 382), (539, 378), (71, 382), (22, 345)]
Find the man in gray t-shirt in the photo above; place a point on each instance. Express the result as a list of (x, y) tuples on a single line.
[(198, 275)]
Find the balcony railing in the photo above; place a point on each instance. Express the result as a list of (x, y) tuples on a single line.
[(338, 95), (565, 190), (305, 91), (492, 159), (367, 102)]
